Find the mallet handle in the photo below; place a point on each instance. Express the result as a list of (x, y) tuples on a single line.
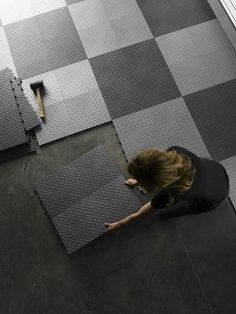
[(40, 103)]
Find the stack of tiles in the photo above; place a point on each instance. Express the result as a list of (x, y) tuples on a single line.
[(17, 115), (84, 195)]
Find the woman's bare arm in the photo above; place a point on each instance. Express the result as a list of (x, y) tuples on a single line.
[(142, 211)]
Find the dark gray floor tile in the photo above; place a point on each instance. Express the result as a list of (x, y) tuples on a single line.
[(168, 16), (213, 111), (17, 151), (12, 132), (60, 38), (210, 239), (134, 78), (77, 180), (85, 221), (27, 48)]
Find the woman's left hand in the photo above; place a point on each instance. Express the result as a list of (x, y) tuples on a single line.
[(112, 227)]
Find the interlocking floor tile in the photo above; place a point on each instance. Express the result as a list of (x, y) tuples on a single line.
[(87, 110), (56, 124), (52, 93), (199, 57), (230, 166), (60, 37), (85, 221), (11, 128), (44, 43), (17, 151), (160, 126), (76, 181), (76, 79), (134, 78), (213, 111), (5, 54), (28, 114), (13, 10), (28, 50), (168, 16), (105, 26)]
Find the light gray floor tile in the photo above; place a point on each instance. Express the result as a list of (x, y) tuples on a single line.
[(56, 125), (14, 10), (52, 89), (76, 79), (87, 110), (160, 126)]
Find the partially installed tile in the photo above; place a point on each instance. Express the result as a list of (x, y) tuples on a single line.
[(52, 92), (87, 110), (56, 124), (76, 79), (27, 48), (160, 126), (85, 221), (199, 57), (213, 111), (12, 132), (105, 26), (168, 16), (76, 181), (13, 10), (230, 166), (210, 239), (60, 38), (134, 78)]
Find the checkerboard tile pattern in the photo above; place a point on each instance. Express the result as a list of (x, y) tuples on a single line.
[(166, 64)]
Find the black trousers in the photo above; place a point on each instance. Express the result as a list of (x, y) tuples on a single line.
[(181, 208)]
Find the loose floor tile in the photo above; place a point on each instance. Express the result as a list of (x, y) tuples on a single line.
[(85, 221), (76, 181), (12, 132)]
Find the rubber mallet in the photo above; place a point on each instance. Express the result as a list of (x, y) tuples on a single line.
[(38, 89)]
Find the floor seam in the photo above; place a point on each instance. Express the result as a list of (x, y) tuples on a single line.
[(194, 270)]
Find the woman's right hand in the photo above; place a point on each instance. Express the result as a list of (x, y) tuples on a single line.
[(131, 182)]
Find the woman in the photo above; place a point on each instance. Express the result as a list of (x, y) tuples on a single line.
[(176, 175)]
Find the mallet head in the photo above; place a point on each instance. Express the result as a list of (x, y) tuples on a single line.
[(37, 85)]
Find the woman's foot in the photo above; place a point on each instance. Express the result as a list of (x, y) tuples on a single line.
[(131, 182)]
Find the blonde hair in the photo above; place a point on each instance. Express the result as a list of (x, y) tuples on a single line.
[(156, 169)]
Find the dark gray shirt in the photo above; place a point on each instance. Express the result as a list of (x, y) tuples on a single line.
[(210, 182)]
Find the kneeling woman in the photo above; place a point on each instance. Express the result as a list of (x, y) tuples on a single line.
[(176, 175)]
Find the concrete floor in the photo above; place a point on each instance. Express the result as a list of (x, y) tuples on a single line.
[(153, 266)]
